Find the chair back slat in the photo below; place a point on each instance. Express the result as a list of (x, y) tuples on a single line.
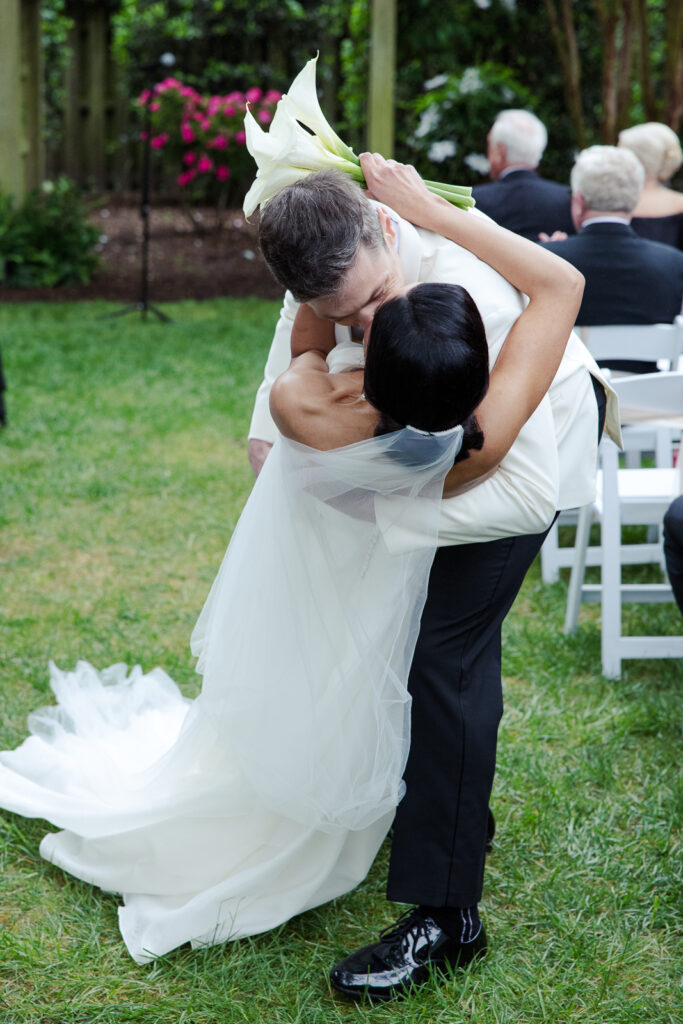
[(658, 393), (636, 341)]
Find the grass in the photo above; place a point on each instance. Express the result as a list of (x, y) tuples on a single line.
[(122, 474)]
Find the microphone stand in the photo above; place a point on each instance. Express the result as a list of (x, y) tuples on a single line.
[(144, 306)]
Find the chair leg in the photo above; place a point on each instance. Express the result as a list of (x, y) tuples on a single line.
[(578, 572), (611, 567)]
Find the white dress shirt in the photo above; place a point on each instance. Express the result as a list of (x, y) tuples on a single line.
[(552, 463)]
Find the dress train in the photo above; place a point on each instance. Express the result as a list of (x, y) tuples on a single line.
[(272, 791)]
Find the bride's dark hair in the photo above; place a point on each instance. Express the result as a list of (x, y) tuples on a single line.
[(427, 362)]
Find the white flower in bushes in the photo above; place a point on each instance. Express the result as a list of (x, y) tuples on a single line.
[(440, 151), (478, 162)]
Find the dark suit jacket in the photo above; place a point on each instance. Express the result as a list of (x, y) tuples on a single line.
[(629, 280), (661, 229), (526, 203)]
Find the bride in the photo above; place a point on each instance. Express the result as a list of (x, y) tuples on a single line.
[(272, 792)]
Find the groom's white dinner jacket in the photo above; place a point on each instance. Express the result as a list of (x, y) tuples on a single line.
[(552, 463)]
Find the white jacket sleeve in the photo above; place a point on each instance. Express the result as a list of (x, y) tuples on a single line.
[(279, 357), (520, 498)]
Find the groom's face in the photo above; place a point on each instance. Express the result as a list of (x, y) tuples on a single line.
[(375, 276)]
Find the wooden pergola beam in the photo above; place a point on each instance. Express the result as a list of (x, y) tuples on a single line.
[(382, 75)]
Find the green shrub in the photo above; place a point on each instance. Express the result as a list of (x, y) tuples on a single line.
[(454, 110), (47, 241)]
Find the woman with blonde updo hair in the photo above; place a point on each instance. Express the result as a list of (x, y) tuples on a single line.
[(659, 213)]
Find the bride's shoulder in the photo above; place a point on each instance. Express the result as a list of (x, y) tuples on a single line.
[(301, 386)]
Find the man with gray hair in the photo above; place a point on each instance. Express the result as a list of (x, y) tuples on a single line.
[(629, 279), (519, 198)]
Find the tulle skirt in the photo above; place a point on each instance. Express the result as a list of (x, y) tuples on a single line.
[(272, 791)]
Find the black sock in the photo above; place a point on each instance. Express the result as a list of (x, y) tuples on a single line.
[(461, 923)]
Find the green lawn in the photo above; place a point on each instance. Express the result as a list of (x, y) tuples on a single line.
[(122, 473)]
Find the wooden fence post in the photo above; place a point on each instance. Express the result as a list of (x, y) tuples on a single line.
[(89, 113), (32, 94), (12, 142)]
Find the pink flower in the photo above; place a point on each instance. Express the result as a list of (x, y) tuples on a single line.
[(220, 142), (214, 105), (159, 141), (144, 96), (205, 124), (222, 173), (189, 157), (253, 95), (186, 133), (155, 106), (240, 138), (204, 164), (264, 116), (272, 96), (229, 111), (234, 97), (189, 93), (185, 178), (143, 136)]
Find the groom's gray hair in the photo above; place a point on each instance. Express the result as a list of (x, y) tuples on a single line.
[(311, 231)]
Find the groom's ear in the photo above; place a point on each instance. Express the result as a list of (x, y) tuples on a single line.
[(387, 227)]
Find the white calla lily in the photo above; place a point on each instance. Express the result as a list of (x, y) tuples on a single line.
[(301, 100), (288, 151), (284, 155), (265, 186)]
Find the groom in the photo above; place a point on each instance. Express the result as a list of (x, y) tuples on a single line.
[(324, 243)]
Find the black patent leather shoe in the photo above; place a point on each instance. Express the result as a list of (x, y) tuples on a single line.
[(405, 956)]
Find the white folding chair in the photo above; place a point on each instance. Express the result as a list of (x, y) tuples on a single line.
[(628, 496), (661, 343), (658, 343)]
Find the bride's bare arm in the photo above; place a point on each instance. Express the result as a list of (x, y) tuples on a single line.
[(311, 333), (534, 347), (320, 409)]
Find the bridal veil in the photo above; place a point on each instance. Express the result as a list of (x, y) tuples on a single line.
[(272, 791)]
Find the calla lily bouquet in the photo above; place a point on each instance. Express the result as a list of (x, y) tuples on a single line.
[(289, 151)]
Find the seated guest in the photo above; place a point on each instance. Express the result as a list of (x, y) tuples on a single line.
[(673, 548), (659, 213), (629, 280), (519, 198)]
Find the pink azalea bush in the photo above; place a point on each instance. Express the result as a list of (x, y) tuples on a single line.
[(199, 140)]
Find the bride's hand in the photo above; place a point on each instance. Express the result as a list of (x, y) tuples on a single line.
[(399, 186)]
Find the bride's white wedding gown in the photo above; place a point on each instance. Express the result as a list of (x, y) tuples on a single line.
[(272, 792)]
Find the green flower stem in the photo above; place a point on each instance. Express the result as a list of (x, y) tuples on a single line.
[(458, 190), (458, 195), (463, 201)]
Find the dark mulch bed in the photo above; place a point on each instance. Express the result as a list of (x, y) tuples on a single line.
[(186, 261)]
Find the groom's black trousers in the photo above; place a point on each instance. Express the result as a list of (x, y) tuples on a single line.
[(437, 855), (438, 848)]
